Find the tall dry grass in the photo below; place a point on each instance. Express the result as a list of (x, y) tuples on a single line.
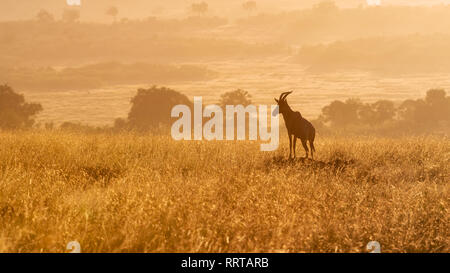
[(136, 193)]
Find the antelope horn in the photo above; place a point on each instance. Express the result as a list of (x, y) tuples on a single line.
[(281, 96), (284, 95)]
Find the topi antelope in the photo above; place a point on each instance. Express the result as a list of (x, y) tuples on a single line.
[(296, 125)]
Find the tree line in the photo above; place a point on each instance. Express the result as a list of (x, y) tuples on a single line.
[(150, 110), (426, 115)]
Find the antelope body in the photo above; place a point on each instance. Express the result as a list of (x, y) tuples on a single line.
[(297, 126)]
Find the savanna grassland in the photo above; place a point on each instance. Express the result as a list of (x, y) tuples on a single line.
[(113, 190), (142, 193)]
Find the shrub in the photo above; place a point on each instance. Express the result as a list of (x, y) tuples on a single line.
[(151, 108), (14, 111), (236, 97)]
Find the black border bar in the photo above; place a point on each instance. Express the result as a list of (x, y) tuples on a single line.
[(226, 262)]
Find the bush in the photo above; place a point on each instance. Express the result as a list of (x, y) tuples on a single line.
[(236, 97), (14, 111), (428, 115), (151, 108)]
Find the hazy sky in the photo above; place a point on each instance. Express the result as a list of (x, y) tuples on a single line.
[(95, 9)]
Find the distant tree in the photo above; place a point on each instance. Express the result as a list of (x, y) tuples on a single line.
[(376, 113), (249, 6), (152, 107), (407, 110), (438, 100), (340, 113), (14, 111), (235, 98), (113, 11), (71, 15), (415, 116), (199, 8), (120, 124), (44, 16), (384, 110), (354, 112), (429, 111), (436, 97), (327, 6)]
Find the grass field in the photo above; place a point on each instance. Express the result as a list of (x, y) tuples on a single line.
[(142, 193)]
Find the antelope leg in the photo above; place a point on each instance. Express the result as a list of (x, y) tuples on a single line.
[(295, 142), (290, 146), (305, 147)]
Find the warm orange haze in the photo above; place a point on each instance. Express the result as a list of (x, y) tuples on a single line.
[(89, 155)]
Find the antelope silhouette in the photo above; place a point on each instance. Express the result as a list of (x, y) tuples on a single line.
[(296, 125)]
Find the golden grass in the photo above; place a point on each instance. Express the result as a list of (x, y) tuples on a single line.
[(135, 193)]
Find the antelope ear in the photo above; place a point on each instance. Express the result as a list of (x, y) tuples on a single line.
[(275, 100)]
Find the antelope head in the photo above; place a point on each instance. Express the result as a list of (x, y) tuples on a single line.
[(282, 103)]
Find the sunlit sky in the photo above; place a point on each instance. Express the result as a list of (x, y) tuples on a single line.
[(94, 10)]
